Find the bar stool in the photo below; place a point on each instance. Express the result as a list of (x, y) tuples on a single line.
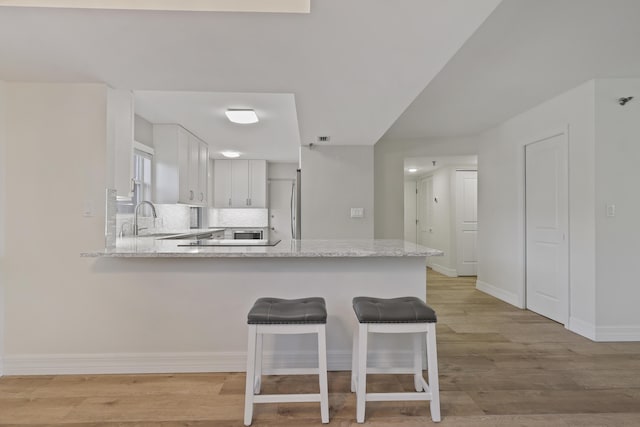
[(392, 316), (282, 316)]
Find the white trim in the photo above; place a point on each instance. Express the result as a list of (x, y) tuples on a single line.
[(147, 363), (580, 327), (143, 147), (450, 272), (618, 333), (506, 296)]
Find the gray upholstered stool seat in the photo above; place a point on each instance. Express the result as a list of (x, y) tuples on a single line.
[(393, 310), (270, 311), (276, 316), (404, 315)]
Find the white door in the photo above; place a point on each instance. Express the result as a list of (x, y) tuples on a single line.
[(547, 218), (466, 222), (281, 204), (410, 211), (222, 183)]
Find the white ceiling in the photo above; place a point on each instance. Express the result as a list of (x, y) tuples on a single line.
[(350, 67), (275, 137), (526, 52), (353, 66), (425, 164)]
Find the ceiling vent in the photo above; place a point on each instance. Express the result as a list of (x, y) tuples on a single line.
[(324, 138)]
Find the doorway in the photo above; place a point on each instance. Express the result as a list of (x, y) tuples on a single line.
[(546, 227)]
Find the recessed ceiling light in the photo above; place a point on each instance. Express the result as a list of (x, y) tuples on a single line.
[(412, 170), (244, 117), (230, 154)]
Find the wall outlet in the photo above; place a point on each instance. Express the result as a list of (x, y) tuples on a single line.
[(357, 212), (611, 210)]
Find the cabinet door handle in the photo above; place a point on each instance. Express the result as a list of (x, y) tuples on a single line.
[(229, 201), (246, 202), (201, 196), (190, 194)]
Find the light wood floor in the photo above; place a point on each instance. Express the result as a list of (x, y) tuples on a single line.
[(499, 366)]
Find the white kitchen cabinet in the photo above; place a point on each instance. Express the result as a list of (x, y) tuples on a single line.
[(240, 183), (181, 162), (222, 183), (120, 141)]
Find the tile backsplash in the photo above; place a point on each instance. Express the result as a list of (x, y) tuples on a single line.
[(246, 217), (171, 218)]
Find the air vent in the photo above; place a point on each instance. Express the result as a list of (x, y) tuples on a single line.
[(324, 138)]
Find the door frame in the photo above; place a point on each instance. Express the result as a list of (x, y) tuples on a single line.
[(564, 132)]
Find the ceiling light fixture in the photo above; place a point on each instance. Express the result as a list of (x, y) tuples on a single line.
[(412, 170), (242, 116), (230, 154)]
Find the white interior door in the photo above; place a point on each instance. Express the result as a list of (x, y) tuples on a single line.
[(547, 218), (466, 222), (280, 208)]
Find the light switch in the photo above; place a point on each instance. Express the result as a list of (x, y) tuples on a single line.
[(357, 212), (611, 210)]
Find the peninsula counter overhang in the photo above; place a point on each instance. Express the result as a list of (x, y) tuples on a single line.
[(145, 247)]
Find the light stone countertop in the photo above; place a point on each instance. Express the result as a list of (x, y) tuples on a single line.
[(147, 247)]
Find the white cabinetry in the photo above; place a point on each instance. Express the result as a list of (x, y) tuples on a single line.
[(181, 162), (240, 183), (120, 141)]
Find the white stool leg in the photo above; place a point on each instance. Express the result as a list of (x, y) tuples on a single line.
[(361, 393), (432, 367), (354, 361), (258, 376), (251, 364), (322, 374), (417, 361)]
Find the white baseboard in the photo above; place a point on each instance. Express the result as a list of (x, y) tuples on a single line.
[(501, 294), (617, 333), (580, 327), (450, 272), (146, 363)]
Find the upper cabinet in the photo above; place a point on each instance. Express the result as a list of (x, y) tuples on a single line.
[(120, 141), (181, 162), (240, 183)]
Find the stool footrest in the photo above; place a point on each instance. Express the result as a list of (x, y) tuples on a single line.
[(282, 398), (291, 371), (387, 397)]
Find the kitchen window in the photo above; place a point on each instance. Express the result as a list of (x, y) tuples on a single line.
[(141, 176)]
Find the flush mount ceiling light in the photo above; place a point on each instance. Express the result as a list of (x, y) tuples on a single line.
[(412, 170), (243, 117), (230, 154)]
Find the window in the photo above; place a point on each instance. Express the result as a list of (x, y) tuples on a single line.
[(141, 176), (142, 183)]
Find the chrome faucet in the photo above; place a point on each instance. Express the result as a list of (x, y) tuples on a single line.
[(135, 215)]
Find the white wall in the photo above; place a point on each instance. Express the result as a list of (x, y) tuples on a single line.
[(410, 212), (142, 131), (334, 180), (280, 170), (501, 206), (389, 176), (2, 218), (617, 154)]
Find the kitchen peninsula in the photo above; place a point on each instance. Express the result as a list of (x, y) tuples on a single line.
[(214, 287)]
